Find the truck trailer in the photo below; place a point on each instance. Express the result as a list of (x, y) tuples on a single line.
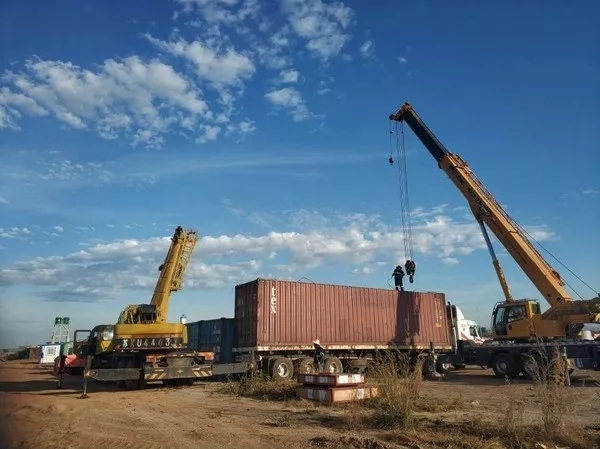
[(276, 322)]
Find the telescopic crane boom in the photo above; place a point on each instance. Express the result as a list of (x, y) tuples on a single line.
[(170, 280), (172, 270), (563, 312)]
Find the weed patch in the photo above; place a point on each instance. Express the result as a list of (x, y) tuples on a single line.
[(399, 391), (260, 386)]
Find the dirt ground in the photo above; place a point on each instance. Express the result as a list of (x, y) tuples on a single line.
[(35, 414)]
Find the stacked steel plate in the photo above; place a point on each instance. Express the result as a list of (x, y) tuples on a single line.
[(334, 388)]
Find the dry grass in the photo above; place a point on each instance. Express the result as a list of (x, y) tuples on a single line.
[(259, 385), (399, 389), (403, 415)]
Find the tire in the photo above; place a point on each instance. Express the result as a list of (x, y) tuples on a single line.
[(504, 365), (442, 367), (358, 366), (459, 365), (428, 367), (532, 366), (333, 365), (281, 368), (305, 365)]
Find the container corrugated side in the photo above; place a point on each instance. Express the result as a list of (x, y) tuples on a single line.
[(272, 313), (215, 335)]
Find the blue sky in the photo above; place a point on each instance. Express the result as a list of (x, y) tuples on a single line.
[(264, 125)]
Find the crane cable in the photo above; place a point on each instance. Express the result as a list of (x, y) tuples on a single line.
[(597, 293), (404, 197)]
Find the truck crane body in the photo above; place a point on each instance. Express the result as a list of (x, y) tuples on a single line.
[(564, 312), (142, 346), (520, 330)]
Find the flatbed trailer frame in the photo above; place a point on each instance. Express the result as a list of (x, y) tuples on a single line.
[(511, 359), (152, 374), (282, 362)]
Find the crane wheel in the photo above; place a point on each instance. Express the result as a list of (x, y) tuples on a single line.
[(504, 365)]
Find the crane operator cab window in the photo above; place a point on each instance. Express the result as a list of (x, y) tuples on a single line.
[(506, 315)]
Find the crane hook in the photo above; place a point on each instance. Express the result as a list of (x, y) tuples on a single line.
[(391, 160)]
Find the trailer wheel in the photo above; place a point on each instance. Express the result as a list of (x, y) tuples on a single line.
[(281, 368), (333, 365), (504, 365), (358, 366), (305, 365), (428, 367)]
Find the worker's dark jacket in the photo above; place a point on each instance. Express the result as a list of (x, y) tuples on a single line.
[(398, 275), (319, 355)]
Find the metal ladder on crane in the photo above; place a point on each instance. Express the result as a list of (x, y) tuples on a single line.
[(186, 254)]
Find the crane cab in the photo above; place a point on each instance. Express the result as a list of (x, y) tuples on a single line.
[(138, 314), (515, 319), (96, 341)]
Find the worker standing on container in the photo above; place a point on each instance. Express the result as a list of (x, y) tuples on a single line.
[(319, 357), (398, 275)]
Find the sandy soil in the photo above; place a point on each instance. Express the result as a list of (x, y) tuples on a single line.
[(34, 414)]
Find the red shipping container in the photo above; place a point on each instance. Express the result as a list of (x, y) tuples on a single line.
[(273, 314)]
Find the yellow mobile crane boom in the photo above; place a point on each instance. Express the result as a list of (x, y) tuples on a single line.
[(511, 319), (170, 280)]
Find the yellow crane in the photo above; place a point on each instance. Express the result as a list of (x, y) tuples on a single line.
[(143, 346), (511, 319)]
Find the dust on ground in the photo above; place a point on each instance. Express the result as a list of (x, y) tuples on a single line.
[(35, 414)]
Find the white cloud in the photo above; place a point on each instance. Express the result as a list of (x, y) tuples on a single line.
[(66, 170), (290, 99), (289, 76), (222, 11), (144, 100), (589, 192), (322, 24), (27, 183), (298, 242), (4, 200), (15, 233), (128, 97), (210, 133), (221, 67), (12, 105), (58, 229), (367, 49), (402, 60), (246, 127)]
